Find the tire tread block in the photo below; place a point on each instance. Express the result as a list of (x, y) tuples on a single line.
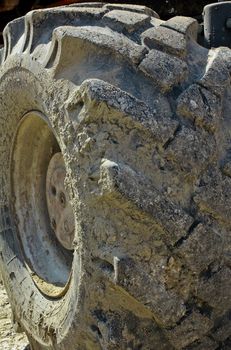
[(131, 109), (166, 70), (118, 179), (216, 290), (201, 106), (222, 331), (184, 25), (191, 149), (166, 306), (216, 78), (166, 40), (133, 8), (203, 246), (213, 196), (92, 38), (191, 329), (120, 20), (204, 343)]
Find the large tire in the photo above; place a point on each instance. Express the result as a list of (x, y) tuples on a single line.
[(141, 115)]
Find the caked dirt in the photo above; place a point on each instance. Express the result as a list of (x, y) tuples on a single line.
[(9, 340)]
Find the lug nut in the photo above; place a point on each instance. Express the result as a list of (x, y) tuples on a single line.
[(53, 224), (62, 199), (59, 208)]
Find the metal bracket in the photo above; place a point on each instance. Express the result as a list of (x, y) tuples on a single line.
[(217, 24)]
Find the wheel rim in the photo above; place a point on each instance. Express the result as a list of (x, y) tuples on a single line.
[(44, 218), (59, 208)]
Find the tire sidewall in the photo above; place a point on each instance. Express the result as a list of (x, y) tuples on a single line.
[(22, 92)]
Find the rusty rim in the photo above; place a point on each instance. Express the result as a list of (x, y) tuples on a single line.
[(43, 213)]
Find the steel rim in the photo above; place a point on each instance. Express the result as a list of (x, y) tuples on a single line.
[(37, 167)]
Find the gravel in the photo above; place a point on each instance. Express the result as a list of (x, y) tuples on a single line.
[(9, 340)]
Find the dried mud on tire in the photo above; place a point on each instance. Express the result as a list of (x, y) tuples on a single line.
[(141, 115)]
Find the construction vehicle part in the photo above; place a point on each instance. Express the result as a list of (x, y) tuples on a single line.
[(136, 114)]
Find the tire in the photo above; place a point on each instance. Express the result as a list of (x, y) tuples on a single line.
[(140, 113)]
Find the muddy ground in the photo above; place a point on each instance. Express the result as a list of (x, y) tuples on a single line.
[(9, 340)]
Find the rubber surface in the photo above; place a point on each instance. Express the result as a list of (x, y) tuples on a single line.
[(142, 115)]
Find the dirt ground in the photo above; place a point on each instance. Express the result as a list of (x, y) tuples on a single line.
[(9, 340)]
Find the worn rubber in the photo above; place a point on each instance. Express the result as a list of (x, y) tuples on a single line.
[(142, 115)]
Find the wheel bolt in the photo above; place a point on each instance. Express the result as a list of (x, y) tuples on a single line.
[(62, 199), (59, 208), (53, 224)]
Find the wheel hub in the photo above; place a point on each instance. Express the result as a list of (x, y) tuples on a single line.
[(59, 208)]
